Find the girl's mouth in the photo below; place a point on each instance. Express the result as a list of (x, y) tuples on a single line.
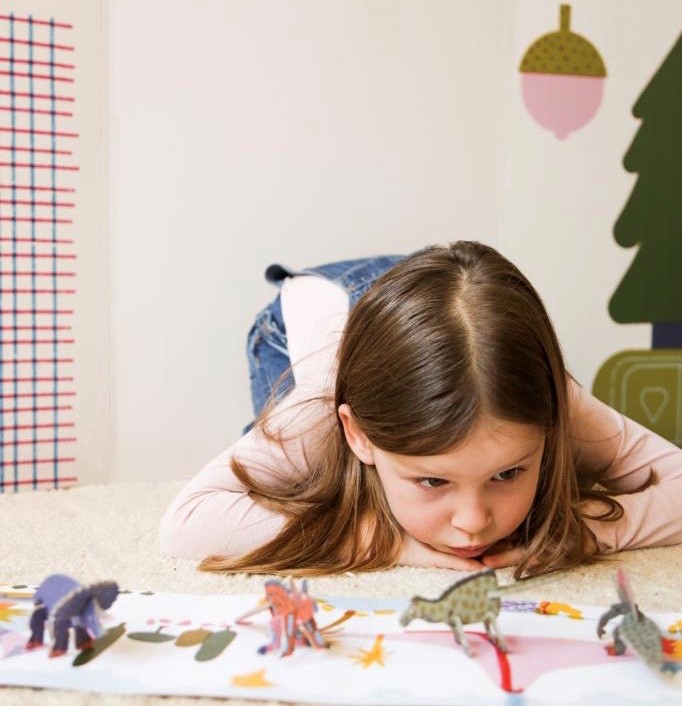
[(469, 552)]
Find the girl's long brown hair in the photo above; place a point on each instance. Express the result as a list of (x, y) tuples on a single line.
[(445, 336)]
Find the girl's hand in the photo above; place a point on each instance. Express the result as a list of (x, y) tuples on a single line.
[(506, 553), (415, 553), (502, 554)]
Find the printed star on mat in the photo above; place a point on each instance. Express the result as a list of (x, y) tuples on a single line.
[(9, 611), (675, 627), (549, 608), (375, 655), (253, 679)]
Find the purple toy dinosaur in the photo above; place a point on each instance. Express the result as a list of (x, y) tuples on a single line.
[(63, 603)]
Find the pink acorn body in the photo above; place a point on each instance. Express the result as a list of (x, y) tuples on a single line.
[(562, 79), (562, 104)]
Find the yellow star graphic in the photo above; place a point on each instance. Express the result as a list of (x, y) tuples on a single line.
[(675, 627), (253, 679), (8, 611), (375, 655)]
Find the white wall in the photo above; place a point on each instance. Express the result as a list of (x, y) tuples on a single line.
[(250, 131)]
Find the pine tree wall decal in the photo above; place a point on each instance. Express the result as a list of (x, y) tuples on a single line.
[(651, 290), (646, 385)]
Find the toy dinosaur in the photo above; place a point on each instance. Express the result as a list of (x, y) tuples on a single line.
[(470, 600), (635, 629), (63, 603), (291, 617)]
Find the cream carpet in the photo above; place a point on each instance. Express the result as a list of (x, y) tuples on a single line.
[(111, 532)]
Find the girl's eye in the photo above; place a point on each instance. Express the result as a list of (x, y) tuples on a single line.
[(431, 482), (509, 474)]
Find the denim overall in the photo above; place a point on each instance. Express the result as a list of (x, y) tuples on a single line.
[(266, 346)]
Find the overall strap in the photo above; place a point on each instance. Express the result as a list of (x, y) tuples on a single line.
[(354, 276)]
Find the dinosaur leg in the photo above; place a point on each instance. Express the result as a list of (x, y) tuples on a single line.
[(458, 632), (274, 638), (290, 634), (493, 631), (312, 634), (61, 635), (317, 635), (38, 618), (618, 644), (83, 639)]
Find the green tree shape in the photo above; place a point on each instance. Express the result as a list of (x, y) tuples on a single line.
[(651, 289)]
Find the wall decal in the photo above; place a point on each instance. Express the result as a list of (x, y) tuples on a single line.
[(562, 80), (37, 258), (647, 385)]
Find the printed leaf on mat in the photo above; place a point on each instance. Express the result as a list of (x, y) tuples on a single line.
[(189, 638), (157, 636), (100, 644), (214, 645)]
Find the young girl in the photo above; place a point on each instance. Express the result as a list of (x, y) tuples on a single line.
[(433, 425)]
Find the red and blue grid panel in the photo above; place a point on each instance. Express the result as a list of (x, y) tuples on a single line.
[(37, 253)]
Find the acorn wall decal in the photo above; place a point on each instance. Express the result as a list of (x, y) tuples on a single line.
[(562, 78)]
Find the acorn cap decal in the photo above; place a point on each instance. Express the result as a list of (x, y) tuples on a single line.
[(562, 79), (563, 52)]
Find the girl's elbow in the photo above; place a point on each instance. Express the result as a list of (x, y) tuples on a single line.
[(175, 538)]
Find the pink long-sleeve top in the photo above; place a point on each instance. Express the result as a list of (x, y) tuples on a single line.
[(213, 513)]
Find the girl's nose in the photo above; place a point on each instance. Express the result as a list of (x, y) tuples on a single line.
[(471, 517)]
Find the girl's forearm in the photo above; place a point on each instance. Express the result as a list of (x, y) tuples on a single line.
[(651, 518), (214, 514)]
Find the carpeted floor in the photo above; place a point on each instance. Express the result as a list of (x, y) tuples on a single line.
[(111, 531)]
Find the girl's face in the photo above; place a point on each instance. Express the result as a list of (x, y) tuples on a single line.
[(465, 500)]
